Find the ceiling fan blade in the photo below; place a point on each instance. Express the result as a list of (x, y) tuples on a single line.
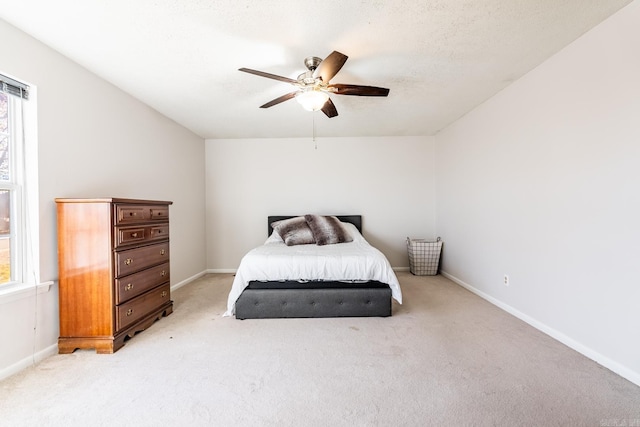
[(330, 66), (267, 75), (329, 109), (358, 90), (279, 99)]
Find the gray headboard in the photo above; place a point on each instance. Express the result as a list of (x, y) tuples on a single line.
[(353, 219)]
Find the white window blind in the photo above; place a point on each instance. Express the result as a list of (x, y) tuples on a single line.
[(14, 87)]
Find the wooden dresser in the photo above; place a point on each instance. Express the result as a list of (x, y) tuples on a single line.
[(113, 258)]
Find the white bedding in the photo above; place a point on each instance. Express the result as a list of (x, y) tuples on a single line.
[(349, 262)]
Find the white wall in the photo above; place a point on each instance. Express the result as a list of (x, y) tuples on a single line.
[(387, 180), (541, 183), (96, 141)]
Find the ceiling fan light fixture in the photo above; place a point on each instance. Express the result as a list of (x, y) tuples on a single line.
[(312, 99)]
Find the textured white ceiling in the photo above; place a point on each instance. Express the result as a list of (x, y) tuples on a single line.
[(439, 58)]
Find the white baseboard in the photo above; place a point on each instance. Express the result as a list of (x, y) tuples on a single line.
[(187, 280), (28, 361), (612, 365)]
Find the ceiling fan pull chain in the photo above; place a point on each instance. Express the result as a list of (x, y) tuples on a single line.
[(313, 125)]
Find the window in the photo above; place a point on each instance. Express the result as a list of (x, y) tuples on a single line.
[(13, 208), (7, 191)]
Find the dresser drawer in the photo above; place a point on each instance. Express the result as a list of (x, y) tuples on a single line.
[(129, 214), (139, 307), (141, 234), (135, 284), (133, 260)]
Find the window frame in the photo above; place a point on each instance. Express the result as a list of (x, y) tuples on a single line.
[(23, 187), (14, 186)]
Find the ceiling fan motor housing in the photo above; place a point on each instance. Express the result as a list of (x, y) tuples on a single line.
[(312, 62)]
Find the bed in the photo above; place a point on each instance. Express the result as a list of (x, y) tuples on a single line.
[(350, 279)]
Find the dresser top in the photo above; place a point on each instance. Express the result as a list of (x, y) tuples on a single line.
[(114, 200)]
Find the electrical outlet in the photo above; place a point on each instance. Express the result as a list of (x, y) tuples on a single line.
[(506, 280)]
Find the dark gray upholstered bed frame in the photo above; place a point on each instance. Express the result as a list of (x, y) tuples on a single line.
[(280, 299)]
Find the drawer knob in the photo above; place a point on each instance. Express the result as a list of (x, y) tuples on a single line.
[(163, 273), (130, 312), (128, 261), (164, 294), (134, 235), (161, 251), (133, 213), (128, 287)]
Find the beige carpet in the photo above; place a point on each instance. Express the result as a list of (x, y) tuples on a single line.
[(446, 357)]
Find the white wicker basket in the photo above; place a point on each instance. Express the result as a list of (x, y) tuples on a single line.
[(424, 256)]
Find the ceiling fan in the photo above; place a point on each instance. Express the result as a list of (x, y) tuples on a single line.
[(313, 87)]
